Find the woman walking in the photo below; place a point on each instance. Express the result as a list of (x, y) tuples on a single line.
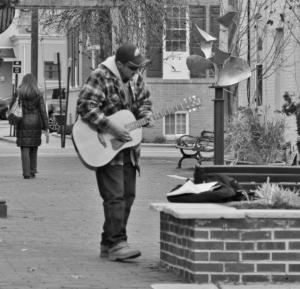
[(34, 120)]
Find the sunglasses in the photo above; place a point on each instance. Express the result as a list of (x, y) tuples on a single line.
[(133, 68)]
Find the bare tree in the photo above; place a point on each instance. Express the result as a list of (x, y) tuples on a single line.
[(265, 33), (264, 30), (111, 26)]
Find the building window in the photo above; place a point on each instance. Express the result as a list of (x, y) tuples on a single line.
[(176, 124), (176, 28), (197, 17), (50, 70), (181, 38)]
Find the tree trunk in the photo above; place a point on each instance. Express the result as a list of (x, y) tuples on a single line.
[(34, 41)]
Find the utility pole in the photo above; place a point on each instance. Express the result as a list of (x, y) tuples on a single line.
[(248, 49), (219, 126), (34, 41)]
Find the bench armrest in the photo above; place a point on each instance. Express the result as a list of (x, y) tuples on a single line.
[(186, 142)]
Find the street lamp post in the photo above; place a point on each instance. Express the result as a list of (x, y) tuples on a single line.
[(219, 126)]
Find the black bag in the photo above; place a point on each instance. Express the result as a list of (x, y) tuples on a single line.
[(15, 113), (229, 190)]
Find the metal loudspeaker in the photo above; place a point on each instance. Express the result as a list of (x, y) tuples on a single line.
[(198, 64), (229, 70), (228, 19), (206, 42), (219, 57), (234, 70)]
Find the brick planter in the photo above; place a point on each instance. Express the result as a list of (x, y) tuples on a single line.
[(206, 243)]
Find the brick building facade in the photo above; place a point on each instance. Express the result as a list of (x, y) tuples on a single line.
[(168, 77)]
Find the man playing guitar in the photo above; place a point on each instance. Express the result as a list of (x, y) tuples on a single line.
[(116, 85)]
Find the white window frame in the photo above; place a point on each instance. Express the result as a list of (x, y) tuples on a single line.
[(176, 135), (174, 62), (54, 71)]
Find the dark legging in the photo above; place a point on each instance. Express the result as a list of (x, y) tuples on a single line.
[(29, 160)]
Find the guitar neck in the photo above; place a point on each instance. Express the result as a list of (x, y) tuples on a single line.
[(143, 121)]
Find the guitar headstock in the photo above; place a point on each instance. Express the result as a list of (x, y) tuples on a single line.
[(191, 103)]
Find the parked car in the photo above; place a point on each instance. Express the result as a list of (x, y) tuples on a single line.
[(4, 106), (53, 106), (55, 117)]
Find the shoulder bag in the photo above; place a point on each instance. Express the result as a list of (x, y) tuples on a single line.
[(15, 114)]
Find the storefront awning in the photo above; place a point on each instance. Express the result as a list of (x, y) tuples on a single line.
[(7, 52)]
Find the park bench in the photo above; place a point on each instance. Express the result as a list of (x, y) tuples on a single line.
[(251, 176), (200, 148)]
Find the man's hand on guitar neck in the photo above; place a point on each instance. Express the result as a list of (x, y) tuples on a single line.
[(150, 120), (118, 132)]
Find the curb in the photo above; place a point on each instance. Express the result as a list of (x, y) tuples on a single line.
[(54, 134)]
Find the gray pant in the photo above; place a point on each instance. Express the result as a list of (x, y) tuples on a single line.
[(29, 160), (116, 185)]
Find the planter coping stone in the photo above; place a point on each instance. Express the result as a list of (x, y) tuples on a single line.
[(198, 211), (272, 213), (218, 211)]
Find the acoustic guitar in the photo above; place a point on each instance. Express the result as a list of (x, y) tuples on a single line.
[(97, 149)]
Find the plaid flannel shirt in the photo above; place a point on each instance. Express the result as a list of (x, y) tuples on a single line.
[(104, 94)]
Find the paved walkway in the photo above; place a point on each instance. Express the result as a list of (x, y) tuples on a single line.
[(50, 238)]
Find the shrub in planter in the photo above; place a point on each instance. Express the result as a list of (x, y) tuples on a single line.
[(271, 196), (256, 136)]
